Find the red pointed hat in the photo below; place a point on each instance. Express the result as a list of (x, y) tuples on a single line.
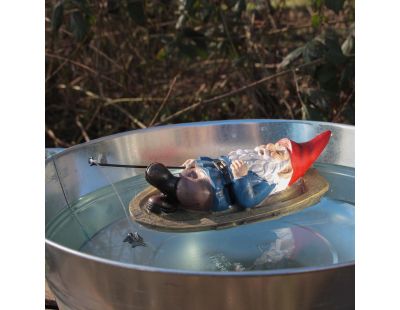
[(303, 155)]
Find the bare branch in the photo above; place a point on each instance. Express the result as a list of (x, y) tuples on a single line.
[(237, 91), (83, 131), (56, 140), (130, 116), (164, 102), (340, 110)]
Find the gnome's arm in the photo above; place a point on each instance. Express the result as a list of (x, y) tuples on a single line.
[(249, 191), (248, 187)]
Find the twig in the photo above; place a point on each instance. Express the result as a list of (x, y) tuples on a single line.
[(56, 140), (303, 116), (289, 108), (164, 101), (129, 100), (130, 116), (228, 34), (237, 91), (104, 55), (78, 64), (72, 61), (94, 115), (340, 110), (84, 133), (294, 28), (109, 101)]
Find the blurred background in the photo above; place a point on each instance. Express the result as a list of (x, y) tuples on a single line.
[(117, 65)]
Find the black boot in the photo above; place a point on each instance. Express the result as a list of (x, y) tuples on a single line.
[(160, 203), (162, 179)]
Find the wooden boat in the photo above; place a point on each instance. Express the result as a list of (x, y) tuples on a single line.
[(307, 191)]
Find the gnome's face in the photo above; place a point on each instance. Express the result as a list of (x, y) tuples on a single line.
[(278, 156)]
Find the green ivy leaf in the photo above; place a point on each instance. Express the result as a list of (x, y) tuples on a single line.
[(162, 54), (136, 11), (79, 25), (57, 16), (334, 5), (316, 20)]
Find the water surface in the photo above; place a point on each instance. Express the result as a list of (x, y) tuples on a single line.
[(320, 235)]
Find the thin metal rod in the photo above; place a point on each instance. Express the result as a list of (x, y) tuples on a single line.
[(93, 162)]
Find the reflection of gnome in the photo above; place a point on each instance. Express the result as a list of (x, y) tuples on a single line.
[(244, 177)]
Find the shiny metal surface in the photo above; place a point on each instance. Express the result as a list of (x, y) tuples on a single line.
[(81, 281)]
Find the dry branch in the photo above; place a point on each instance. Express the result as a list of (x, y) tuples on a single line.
[(237, 91)]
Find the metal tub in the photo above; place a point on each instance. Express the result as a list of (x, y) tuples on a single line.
[(82, 281)]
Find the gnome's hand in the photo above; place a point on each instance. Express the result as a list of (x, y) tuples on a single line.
[(239, 169), (190, 163)]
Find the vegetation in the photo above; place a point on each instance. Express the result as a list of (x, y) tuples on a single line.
[(117, 65)]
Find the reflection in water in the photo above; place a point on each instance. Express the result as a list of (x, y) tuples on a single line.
[(296, 240)]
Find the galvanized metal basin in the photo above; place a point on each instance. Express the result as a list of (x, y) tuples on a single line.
[(82, 281)]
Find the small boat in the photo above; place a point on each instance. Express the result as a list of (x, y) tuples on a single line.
[(305, 192)]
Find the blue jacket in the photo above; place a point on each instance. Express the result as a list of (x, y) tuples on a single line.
[(246, 192)]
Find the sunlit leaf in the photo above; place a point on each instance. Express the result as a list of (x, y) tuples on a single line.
[(251, 6), (240, 6), (348, 45), (305, 115), (162, 54), (316, 20), (291, 57), (180, 22)]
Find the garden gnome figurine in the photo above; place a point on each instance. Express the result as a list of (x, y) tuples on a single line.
[(244, 177)]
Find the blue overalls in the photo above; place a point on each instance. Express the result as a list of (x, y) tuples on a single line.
[(246, 192)]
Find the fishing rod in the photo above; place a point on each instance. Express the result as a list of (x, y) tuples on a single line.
[(94, 162)]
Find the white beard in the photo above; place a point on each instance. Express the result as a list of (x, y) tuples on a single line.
[(264, 166)]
